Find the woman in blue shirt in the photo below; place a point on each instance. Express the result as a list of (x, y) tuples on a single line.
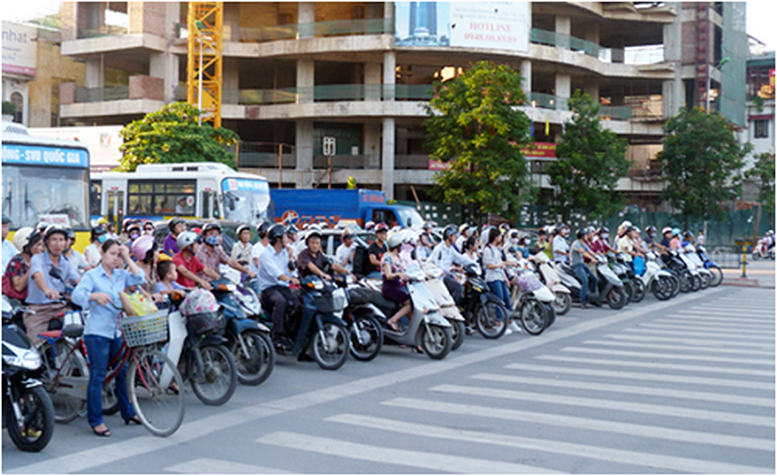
[(99, 290)]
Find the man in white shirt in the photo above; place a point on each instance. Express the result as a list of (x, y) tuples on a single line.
[(560, 245), (346, 251), (259, 247), (446, 258)]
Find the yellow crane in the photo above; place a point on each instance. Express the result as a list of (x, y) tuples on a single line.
[(204, 67)]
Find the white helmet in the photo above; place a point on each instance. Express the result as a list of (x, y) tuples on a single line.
[(186, 239), (22, 237), (396, 238)]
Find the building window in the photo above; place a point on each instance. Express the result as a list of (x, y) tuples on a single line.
[(761, 129), (17, 101)]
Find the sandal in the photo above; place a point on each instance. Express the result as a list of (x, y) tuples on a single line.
[(104, 433), (134, 420), (418, 350), (393, 325)]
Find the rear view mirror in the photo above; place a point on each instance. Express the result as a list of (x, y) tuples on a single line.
[(56, 273)]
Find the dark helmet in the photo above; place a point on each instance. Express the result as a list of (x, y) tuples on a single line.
[(687, 235), (650, 230), (262, 228), (581, 232), (71, 235), (51, 229), (449, 231), (291, 230), (174, 222), (604, 229), (133, 225), (275, 233), (211, 226)]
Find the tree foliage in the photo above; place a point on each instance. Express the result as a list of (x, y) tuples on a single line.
[(476, 130), (173, 135), (589, 162), (700, 163), (763, 172)]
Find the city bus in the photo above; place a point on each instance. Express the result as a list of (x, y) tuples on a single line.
[(187, 190), (45, 181)]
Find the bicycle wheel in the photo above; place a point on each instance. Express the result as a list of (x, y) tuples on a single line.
[(216, 381), (160, 408), (66, 377)]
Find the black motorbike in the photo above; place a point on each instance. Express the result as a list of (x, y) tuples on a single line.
[(482, 308), (364, 322), (314, 326), (27, 409)]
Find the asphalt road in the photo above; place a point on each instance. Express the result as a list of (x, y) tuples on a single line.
[(659, 387)]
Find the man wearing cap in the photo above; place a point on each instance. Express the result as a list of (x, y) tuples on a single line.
[(375, 252), (9, 250), (346, 251), (43, 290)]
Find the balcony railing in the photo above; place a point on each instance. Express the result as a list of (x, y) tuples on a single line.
[(376, 26), (101, 94), (344, 161), (105, 30), (324, 93)]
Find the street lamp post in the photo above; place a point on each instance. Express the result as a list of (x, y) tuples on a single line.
[(199, 25)]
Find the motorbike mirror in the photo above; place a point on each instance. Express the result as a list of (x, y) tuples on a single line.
[(56, 273)]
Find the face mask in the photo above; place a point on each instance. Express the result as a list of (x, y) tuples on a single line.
[(526, 242), (605, 236), (134, 235), (514, 241), (102, 239), (212, 240)]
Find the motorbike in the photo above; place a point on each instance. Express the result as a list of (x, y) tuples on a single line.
[(28, 412), (610, 285), (247, 339), (314, 326), (761, 250), (426, 328), (693, 257), (448, 307), (363, 319), (550, 277), (482, 308), (717, 273), (688, 279), (532, 300), (622, 265), (657, 280)]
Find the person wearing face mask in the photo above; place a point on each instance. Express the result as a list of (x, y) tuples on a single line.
[(211, 255), (560, 245), (651, 233), (93, 253), (130, 231), (601, 241)]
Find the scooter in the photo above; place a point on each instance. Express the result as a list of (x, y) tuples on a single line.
[(550, 277), (314, 326), (482, 308), (761, 250), (363, 319), (610, 285), (427, 327), (28, 412), (717, 273), (448, 307), (656, 280), (693, 257), (532, 300), (248, 340), (622, 264)]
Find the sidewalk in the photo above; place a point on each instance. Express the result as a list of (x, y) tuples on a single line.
[(760, 274)]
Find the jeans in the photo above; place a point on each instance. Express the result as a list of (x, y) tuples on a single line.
[(102, 350), (585, 274), (502, 292), (374, 275)]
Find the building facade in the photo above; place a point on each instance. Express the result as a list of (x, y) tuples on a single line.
[(294, 73)]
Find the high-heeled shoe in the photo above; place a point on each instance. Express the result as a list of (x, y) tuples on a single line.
[(104, 433), (133, 421)]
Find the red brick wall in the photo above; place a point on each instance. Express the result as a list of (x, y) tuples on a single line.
[(146, 87), (147, 17)]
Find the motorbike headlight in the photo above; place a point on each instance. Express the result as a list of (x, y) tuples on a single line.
[(29, 359)]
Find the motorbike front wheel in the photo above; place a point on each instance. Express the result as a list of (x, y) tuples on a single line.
[(366, 338), (214, 383), (562, 303), (662, 288), (638, 290), (256, 362), (436, 341), (533, 316), (457, 334), (491, 319), (616, 298), (330, 346), (717, 276), (36, 427)]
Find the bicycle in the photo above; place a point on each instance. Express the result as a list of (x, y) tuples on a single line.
[(150, 379)]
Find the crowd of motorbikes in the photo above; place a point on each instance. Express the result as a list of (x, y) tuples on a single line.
[(215, 350)]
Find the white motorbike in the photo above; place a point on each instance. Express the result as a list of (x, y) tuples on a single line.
[(448, 307), (532, 300), (702, 277), (656, 280), (550, 277)]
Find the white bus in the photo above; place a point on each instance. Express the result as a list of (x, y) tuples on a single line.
[(186, 190)]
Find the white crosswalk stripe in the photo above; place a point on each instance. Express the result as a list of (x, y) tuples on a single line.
[(689, 341), (690, 326), (733, 313), (380, 454), (714, 350), (648, 460), (630, 389), (607, 404), (730, 335), (631, 429), (661, 355), (219, 466), (715, 322), (690, 379)]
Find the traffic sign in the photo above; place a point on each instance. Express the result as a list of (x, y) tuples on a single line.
[(329, 145)]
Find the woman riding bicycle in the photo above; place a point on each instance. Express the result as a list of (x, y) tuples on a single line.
[(99, 290)]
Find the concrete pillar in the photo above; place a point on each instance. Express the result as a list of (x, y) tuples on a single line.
[(618, 50), (389, 75), (563, 30), (372, 144), (94, 72), (306, 15), (388, 157), (306, 79), (673, 91), (303, 143), (526, 78), (372, 81), (231, 21), (230, 84), (591, 88), (563, 90)]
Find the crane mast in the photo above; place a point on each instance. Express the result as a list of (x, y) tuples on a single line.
[(204, 65)]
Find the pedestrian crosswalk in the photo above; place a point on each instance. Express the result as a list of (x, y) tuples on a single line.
[(686, 392)]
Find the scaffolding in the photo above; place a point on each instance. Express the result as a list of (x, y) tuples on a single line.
[(204, 66)]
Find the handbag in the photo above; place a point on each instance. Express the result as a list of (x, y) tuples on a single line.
[(10, 291)]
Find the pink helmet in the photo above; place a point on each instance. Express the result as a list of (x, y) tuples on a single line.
[(142, 246)]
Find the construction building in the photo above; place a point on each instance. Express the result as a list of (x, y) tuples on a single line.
[(297, 72)]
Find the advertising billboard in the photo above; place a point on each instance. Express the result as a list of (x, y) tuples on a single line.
[(19, 49), (491, 25)]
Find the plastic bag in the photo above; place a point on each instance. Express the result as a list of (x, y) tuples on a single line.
[(136, 304), (199, 301)]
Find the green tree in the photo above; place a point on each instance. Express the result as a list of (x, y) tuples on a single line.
[(589, 162), (172, 135), (474, 127), (700, 163), (763, 172)]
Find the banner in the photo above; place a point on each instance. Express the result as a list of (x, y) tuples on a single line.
[(20, 52)]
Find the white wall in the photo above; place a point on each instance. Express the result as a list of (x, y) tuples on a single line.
[(103, 142)]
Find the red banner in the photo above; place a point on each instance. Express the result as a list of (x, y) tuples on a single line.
[(543, 150)]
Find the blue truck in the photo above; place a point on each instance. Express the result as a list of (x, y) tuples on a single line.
[(330, 207)]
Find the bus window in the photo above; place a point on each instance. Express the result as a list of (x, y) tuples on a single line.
[(209, 205), (171, 197), (95, 198)]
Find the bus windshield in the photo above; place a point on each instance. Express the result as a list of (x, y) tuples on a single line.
[(246, 200)]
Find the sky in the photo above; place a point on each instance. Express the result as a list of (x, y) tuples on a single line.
[(761, 16)]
